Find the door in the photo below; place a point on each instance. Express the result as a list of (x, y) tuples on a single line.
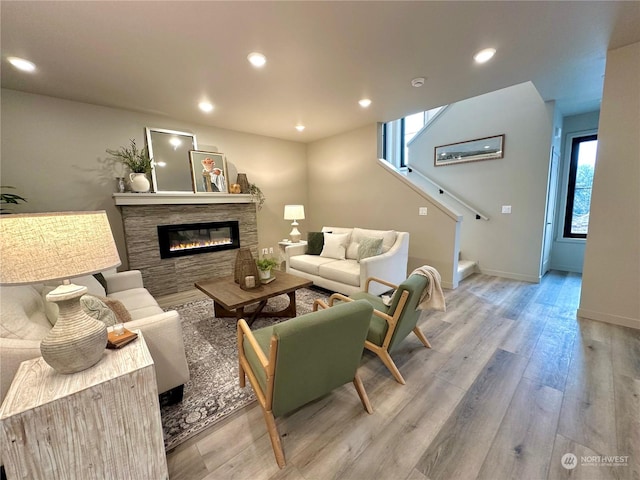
[(552, 192)]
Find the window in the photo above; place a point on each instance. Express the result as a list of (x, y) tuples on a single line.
[(583, 159), (398, 133)]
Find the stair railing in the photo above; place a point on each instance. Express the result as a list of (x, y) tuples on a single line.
[(442, 191)]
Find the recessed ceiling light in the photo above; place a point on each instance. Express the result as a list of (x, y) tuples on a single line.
[(257, 59), (300, 128), (22, 64), (205, 106), (365, 102), (484, 55)]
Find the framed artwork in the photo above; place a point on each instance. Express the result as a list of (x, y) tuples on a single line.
[(208, 172), (487, 148)]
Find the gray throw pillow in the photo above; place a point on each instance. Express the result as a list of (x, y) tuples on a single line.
[(97, 309), (369, 247), (315, 242)]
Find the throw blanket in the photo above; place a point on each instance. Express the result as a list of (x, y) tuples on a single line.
[(432, 296)]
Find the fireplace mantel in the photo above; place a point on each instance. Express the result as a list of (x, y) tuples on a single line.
[(180, 198)]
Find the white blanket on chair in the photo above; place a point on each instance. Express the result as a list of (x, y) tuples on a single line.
[(432, 296)]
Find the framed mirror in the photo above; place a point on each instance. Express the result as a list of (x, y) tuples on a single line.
[(169, 150)]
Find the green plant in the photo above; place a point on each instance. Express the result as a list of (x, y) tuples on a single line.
[(257, 194), (9, 198), (136, 159), (266, 263)]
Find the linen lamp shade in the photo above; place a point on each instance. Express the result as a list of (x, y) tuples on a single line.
[(44, 247), (295, 213)]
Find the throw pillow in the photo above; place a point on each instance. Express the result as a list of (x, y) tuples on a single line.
[(121, 312), (97, 309), (369, 247), (315, 242), (335, 245)]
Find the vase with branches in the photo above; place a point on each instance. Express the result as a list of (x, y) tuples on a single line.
[(137, 159)]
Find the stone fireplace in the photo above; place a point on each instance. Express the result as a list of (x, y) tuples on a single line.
[(204, 219)]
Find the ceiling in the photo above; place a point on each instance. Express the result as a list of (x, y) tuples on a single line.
[(322, 57)]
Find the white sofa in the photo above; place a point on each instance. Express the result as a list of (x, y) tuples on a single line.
[(349, 275), (24, 322)]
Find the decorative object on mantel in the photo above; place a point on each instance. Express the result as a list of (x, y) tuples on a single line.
[(11, 198), (42, 247), (257, 195), (245, 268), (235, 188), (295, 213), (138, 161), (121, 185), (208, 172), (243, 182), (265, 265)]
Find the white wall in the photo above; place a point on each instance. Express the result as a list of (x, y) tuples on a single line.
[(348, 188), (506, 245), (611, 275), (568, 253), (53, 152)]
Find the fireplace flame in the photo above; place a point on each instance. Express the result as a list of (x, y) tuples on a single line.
[(199, 244)]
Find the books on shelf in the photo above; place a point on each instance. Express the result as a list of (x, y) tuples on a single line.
[(116, 341)]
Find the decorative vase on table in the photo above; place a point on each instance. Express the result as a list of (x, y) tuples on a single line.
[(265, 274), (139, 182)]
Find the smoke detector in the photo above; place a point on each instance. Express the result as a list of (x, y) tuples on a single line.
[(417, 82)]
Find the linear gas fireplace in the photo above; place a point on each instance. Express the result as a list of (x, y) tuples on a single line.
[(194, 238)]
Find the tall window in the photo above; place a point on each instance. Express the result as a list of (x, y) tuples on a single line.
[(583, 159), (398, 133)]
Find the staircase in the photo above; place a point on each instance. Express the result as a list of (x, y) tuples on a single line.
[(466, 268)]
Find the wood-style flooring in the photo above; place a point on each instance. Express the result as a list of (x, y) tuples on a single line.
[(513, 383)]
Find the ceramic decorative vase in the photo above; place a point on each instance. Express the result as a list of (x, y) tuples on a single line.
[(139, 182), (243, 182)]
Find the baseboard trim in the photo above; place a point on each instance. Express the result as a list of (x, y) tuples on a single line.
[(511, 275), (609, 318)]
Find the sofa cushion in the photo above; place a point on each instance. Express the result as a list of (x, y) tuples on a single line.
[(369, 247), (344, 271), (22, 315), (335, 245), (388, 237), (309, 263), (315, 242)]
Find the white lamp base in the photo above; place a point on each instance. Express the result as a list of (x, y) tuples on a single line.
[(77, 341), (294, 235)]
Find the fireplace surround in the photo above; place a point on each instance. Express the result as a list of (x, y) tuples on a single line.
[(141, 215)]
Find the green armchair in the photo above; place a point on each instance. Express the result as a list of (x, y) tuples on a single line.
[(390, 325), (294, 362)]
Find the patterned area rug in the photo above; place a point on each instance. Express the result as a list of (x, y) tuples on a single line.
[(213, 391)]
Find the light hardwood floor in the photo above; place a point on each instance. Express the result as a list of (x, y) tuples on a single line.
[(513, 383)]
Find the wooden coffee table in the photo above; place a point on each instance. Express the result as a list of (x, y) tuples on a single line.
[(229, 299)]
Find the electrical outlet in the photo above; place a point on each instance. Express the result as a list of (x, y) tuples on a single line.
[(506, 208), (270, 250), (422, 210), (265, 251)]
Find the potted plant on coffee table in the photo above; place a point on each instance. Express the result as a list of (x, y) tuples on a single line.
[(265, 265)]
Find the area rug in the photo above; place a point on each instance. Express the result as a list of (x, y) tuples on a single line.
[(213, 392)]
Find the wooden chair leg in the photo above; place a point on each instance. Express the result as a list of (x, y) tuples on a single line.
[(362, 393), (421, 336), (386, 359), (241, 376), (275, 437)]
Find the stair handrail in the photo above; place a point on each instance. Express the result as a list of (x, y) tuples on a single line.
[(479, 215)]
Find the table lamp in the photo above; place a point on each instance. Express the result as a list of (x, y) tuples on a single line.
[(294, 212), (42, 247)]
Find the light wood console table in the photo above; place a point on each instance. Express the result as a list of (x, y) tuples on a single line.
[(103, 422)]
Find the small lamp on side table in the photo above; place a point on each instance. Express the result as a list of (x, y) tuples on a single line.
[(295, 213), (41, 247)]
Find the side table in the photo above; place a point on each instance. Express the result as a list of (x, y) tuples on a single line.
[(103, 422), (282, 247)]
